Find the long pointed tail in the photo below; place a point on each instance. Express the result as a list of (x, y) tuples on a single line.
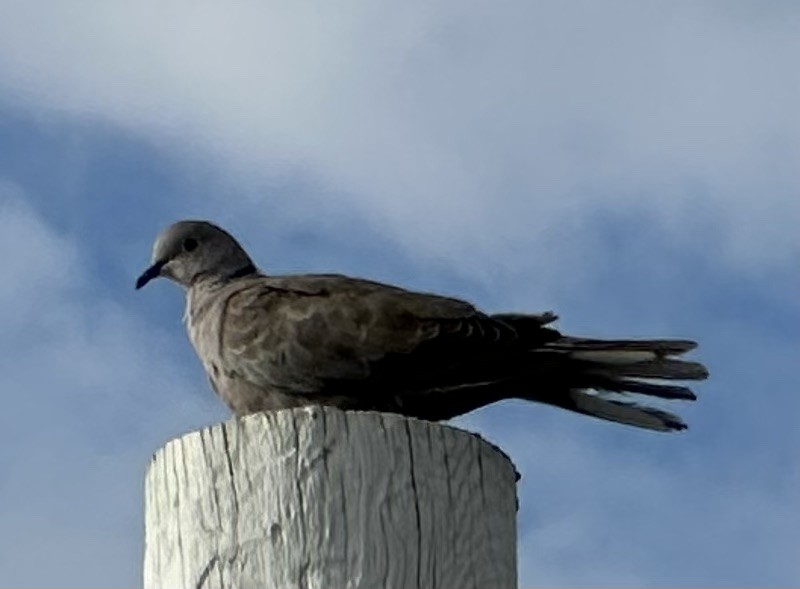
[(627, 367), (623, 412), (593, 376)]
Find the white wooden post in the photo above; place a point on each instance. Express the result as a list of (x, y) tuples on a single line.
[(318, 498)]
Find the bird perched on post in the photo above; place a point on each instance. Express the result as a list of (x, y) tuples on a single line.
[(271, 342)]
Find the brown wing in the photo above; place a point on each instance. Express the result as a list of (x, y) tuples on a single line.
[(317, 334)]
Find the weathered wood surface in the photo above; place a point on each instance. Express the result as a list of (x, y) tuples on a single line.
[(320, 498)]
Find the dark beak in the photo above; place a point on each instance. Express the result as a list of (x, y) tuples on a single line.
[(153, 271)]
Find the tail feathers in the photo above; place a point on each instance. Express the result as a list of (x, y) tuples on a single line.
[(625, 359), (663, 391), (667, 368), (623, 412), (656, 347), (625, 367)]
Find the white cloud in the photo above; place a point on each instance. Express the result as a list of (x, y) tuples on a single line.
[(604, 507), (95, 391), (469, 133), (81, 411)]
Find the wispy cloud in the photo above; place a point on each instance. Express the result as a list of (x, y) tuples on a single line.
[(631, 165), (451, 120), (89, 393)]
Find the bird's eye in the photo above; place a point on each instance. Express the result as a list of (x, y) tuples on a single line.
[(189, 244)]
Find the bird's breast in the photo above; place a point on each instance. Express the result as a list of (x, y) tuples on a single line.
[(204, 316)]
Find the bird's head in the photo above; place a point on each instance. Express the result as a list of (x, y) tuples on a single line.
[(190, 250)]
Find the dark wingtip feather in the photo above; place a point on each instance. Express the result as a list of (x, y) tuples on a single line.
[(670, 421), (661, 347), (674, 425), (663, 391), (666, 369)]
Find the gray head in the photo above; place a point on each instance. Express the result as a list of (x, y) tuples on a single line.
[(190, 250)]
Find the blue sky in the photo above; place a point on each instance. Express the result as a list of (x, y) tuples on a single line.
[(630, 165)]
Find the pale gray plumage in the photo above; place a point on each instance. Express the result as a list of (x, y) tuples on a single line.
[(269, 342)]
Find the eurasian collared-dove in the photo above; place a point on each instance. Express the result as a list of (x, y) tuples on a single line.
[(270, 342)]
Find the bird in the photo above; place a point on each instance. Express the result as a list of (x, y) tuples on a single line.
[(271, 342)]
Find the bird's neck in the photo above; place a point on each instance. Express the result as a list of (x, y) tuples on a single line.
[(246, 270)]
